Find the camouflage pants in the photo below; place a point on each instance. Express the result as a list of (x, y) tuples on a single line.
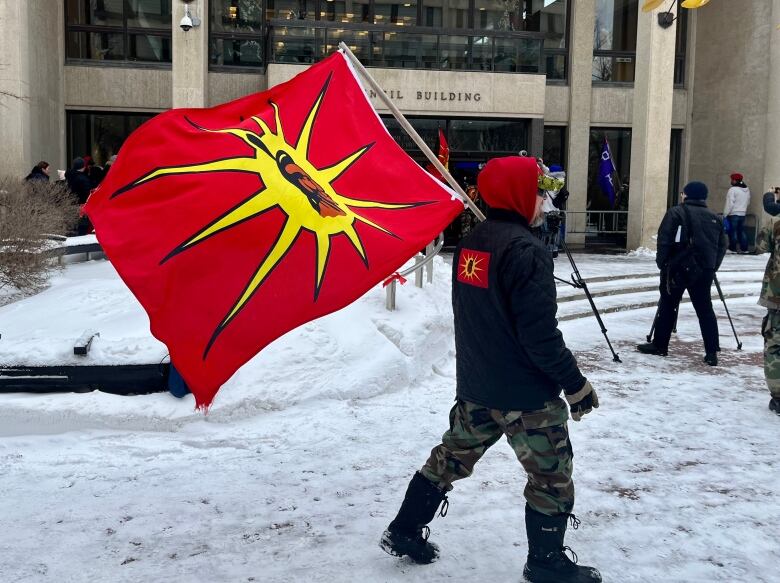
[(770, 330), (540, 440)]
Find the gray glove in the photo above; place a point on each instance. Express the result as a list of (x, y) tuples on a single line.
[(583, 401)]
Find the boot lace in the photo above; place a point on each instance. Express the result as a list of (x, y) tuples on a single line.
[(574, 521), (575, 559), (445, 506)]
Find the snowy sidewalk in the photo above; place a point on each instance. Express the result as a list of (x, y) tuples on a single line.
[(307, 451)]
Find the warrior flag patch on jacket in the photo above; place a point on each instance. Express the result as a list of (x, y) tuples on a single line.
[(235, 224)]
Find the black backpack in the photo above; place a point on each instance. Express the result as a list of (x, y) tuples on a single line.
[(685, 267)]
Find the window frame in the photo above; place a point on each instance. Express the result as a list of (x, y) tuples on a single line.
[(126, 32), (617, 54), (125, 114), (265, 36)]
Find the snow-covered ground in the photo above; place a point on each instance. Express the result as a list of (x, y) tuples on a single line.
[(307, 450)]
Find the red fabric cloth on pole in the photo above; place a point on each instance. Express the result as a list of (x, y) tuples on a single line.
[(233, 225), (443, 156)]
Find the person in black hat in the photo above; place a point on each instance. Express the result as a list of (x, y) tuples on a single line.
[(78, 180), (690, 224)]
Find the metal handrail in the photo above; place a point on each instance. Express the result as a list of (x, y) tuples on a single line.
[(572, 225), (428, 258)]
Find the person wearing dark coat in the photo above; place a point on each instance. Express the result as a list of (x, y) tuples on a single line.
[(80, 185), (39, 173), (78, 181), (709, 242), (512, 365)]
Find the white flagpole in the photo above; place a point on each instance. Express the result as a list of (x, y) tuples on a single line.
[(411, 131)]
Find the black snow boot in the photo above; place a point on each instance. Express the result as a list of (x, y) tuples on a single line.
[(774, 406), (711, 358), (408, 534), (651, 348), (547, 559)]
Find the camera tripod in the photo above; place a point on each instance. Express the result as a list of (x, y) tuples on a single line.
[(677, 313), (578, 283)]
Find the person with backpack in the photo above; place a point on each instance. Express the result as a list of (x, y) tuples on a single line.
[(737, 201), (691, 247)]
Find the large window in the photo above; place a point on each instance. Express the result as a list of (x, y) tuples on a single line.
[(472, 140), (614, 40), (554, 146), (675, 168), (525, 36), (606, 219), (100, 135), (119, 30), (619, 142), (680, 47), (236, 32)]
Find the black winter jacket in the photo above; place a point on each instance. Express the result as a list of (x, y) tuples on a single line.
[(708, 237), (79, 184), (510, 354)]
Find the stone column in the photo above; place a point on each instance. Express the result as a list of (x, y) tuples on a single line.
[(190, 56), (536, 138), (31, 86), (651, 129), (583, 20), (772, 153)]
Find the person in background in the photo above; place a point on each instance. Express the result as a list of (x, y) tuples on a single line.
[(769, 241), (39, 173), (108, 165), (552, 226), (78, 180), (737, 201), (80, 185), (691, 219)]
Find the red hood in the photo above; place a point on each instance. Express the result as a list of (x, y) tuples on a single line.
[(510, 183)]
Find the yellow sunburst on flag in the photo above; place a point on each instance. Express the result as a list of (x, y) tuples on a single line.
[(290, 182)]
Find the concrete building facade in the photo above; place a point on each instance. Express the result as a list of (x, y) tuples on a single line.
[(698, 99)]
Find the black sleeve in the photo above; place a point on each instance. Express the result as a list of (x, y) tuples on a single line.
[(667, 232), (533, 306), (770, 205)]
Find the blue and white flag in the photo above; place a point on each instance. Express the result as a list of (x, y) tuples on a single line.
[(606, 174)]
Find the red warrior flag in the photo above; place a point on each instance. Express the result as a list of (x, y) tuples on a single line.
[(444, 157), (235, 224)]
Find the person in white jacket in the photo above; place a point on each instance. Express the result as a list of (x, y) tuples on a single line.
[(737, 201)]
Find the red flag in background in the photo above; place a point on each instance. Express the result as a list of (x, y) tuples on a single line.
[(444, 158), (235, 224)]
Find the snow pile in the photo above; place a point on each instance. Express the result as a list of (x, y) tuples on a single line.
[(382, 351), (641, 252)]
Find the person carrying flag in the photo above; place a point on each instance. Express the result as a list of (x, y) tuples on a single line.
[(512, 363)]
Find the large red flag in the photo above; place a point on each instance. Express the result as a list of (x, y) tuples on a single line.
[(235, 224)]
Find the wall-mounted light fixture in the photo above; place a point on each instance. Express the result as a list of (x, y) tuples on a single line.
[(188, 20), (667, 18)]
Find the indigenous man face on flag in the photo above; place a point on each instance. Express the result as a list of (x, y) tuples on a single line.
[(235, 224)]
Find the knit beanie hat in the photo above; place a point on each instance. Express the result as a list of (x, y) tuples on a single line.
[(696, 191)]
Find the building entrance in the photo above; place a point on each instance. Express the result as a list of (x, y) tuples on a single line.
[(471, 142)]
